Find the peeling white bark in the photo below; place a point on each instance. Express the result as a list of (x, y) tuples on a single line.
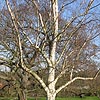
[(51, 77), (51, 96)]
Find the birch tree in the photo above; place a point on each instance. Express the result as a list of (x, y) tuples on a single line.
[(50, 44)]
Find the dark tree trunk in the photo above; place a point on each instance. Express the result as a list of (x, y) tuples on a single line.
[(22, 95)]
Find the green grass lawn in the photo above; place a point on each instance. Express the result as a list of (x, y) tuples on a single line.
[(78, 98), (69, 98)]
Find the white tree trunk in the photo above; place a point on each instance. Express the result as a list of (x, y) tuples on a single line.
[(51, 96), (51, 76)]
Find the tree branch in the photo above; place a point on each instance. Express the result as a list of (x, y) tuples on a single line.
[(40, 16), (21, 51), (77, 78), (71, 81)]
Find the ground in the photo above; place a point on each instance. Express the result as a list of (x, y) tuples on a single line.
[(69, 98)]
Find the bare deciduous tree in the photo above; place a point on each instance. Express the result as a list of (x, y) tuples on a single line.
[(43, 39)]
